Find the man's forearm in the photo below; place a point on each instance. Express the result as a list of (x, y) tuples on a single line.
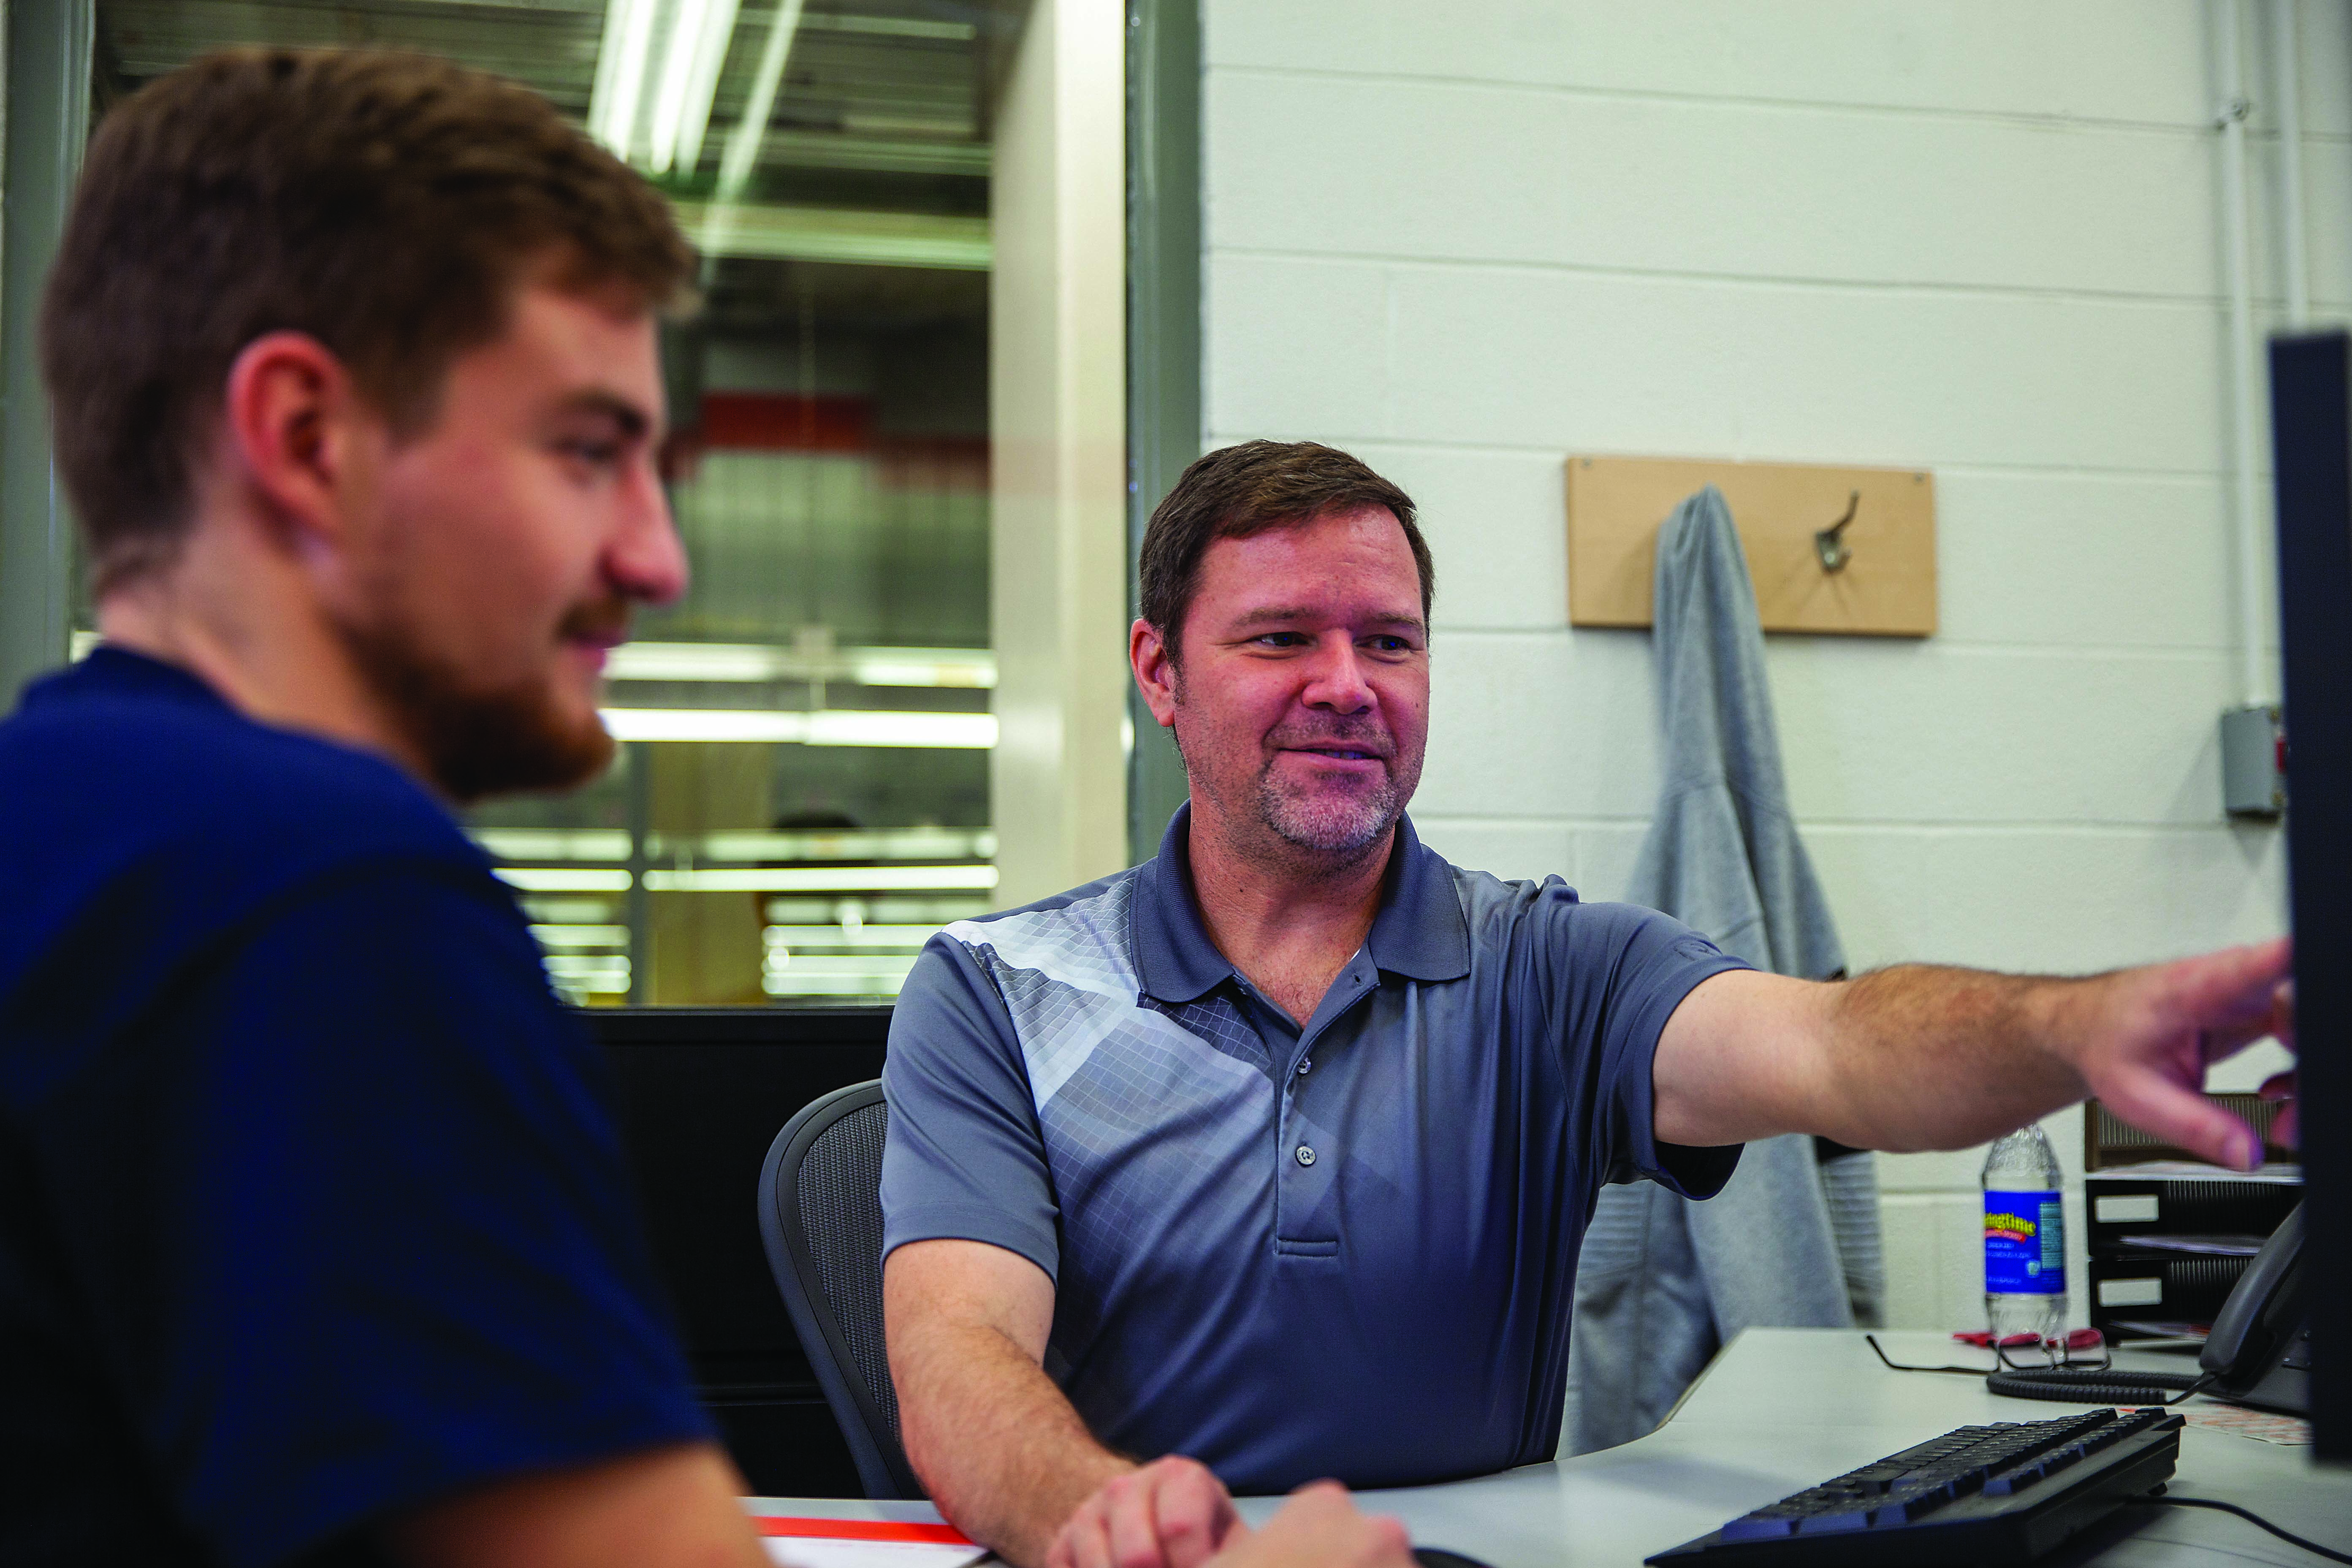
[(1923, 1057), (997, 1445), (1930, 1058)]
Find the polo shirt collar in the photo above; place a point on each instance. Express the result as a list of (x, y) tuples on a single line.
[(1419, 931)]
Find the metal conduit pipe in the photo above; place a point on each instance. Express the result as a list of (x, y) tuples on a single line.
[(2287, 87), (2236, 222)]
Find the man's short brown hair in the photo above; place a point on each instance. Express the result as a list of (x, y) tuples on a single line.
[(385, 203), (1237, 491)]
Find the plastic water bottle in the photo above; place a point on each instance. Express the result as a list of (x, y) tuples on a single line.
[(2024, 1237)]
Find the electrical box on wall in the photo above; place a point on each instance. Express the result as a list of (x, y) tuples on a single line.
[(2254, 763)]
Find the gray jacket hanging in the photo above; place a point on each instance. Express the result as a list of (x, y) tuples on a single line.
[(1794, 1240)]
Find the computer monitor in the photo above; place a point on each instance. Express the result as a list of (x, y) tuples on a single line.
[(702, 1092), (2311, 403)]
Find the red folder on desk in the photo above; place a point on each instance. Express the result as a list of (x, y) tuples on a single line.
[(864, 1542)]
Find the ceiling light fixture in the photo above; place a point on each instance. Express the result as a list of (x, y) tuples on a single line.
[(825, 727), (563, 879), (821, 878), (656, 72), (953, 667), (742, 152)]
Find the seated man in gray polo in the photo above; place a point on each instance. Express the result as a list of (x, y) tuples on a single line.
[(1268, 1159)]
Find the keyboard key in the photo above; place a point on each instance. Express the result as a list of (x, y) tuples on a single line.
[(2014, 1482), (1834, 1523)]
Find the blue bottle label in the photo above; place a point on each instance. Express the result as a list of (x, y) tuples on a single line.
[(2025, 1245)]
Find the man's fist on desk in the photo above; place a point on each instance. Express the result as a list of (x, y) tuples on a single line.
[(1318, 1528), (1172, 1513)]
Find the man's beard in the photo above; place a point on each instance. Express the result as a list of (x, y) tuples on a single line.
[(477, 740), (1325, 823), (1330, 821)]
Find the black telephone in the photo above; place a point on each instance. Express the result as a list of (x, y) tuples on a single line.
[(2259, 1352)]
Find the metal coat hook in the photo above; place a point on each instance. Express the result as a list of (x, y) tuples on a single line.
[(1830, 542)]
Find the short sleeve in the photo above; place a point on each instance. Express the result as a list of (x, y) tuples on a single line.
[(355, 1221), (1626, 970), (965, 1159)]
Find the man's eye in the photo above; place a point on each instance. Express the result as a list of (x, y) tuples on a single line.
[(596, 454), (1279, 639)]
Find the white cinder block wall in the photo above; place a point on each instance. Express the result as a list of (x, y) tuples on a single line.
[(1467, 240)]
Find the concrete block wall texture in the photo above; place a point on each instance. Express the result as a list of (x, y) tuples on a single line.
[(1467, 241)]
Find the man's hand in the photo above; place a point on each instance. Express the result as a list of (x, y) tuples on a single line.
[(1919, 1056), (2142, 1040), (1318, 1528), (1172, 1513)]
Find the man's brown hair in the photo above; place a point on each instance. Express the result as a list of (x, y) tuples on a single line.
[(1237, 491), (388, 204)]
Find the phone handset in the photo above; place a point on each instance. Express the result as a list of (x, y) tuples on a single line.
[(2262, 1316)]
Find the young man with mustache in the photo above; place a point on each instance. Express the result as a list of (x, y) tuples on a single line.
[(1270, 1157), (316, 1244)]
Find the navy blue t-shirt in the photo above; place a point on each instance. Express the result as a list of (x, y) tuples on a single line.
[(311, 1208)]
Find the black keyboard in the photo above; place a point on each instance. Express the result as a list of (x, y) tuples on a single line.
[(2004, 1492)]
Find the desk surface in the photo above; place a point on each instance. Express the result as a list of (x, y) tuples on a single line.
[(1780, 1410)]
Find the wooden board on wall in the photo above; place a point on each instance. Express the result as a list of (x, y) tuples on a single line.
[(1887, 587)]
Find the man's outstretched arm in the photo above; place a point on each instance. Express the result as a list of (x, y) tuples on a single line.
[(1918, 1057), (998, 1447)]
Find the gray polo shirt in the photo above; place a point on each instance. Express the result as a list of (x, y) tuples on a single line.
[(1343, 1250)]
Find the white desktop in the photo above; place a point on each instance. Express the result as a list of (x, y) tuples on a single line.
[(1782, 1408)]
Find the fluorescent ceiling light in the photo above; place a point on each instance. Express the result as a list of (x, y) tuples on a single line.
[(825, 727), (820, 879), (735, 165), (921, 666), (563, 879), (698, 35), (697, 661), (624, 61), (543, 844), (578, 965), (754, 662), (580, 936), (847, 844), (943, 240), (658, 69)]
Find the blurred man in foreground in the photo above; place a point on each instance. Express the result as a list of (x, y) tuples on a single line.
[(315, 1239)]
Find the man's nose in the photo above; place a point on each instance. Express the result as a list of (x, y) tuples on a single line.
[(1337, 682), (647, 559)]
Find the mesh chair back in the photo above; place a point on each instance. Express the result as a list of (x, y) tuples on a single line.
[(820, 1216)]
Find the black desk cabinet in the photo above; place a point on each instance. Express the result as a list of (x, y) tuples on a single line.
[(702, 1092)]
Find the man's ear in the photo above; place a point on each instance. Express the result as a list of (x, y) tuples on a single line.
[(290, 432), (1155, 671)]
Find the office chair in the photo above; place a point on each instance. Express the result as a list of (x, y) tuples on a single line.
[(820, 1216)]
